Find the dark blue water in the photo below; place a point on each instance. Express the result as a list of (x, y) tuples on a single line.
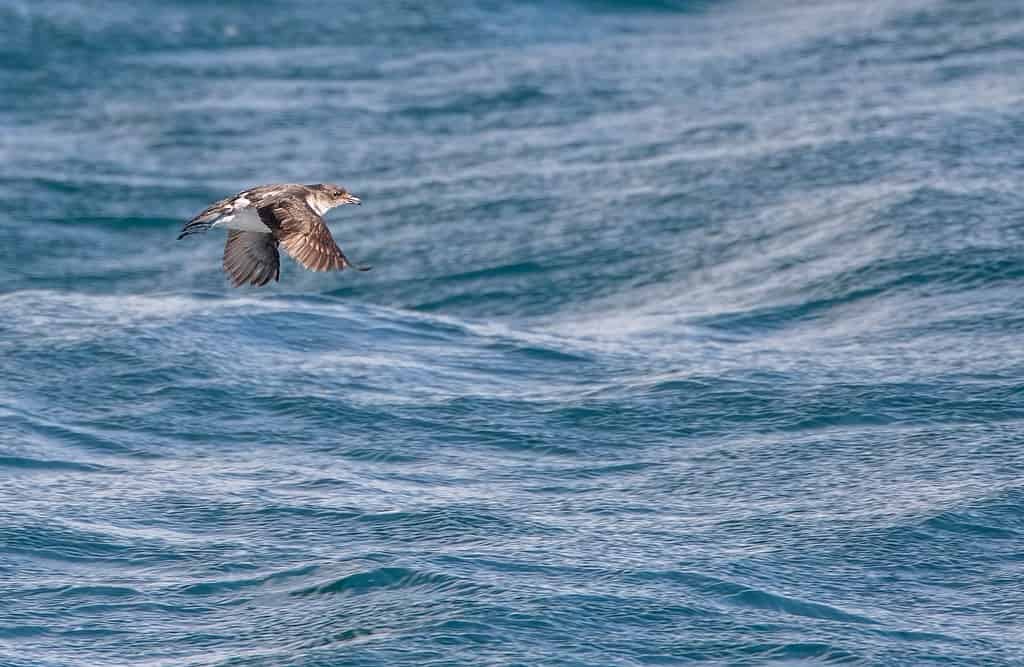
[(694, 335)]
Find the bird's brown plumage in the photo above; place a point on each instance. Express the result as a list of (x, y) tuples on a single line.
[(288, 218), (303, 235)]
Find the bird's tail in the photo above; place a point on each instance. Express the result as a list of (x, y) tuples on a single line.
[(208, 218), (199, 224)]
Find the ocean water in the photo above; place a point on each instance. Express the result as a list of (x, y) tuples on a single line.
[(694, 335)]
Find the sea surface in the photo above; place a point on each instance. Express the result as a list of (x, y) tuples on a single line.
[(694, 335)]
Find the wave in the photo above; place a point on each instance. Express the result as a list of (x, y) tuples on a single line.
[(693, 335)]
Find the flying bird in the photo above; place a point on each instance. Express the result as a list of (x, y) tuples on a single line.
[(260, 219)]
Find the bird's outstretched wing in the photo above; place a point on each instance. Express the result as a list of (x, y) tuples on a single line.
[(304, 235), (251, 258)]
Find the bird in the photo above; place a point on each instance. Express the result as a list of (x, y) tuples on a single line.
[(260, 219)]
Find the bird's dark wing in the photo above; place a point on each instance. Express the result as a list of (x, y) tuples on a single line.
[(304, 235), (251, 258)]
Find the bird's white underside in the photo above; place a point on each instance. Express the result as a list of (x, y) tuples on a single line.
[(248, 220)]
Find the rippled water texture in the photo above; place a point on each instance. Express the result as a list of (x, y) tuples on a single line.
[(694, 335)]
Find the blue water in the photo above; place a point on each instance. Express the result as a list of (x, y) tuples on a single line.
[(694, 334)]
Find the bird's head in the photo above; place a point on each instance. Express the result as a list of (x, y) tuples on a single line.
[(334, 195)]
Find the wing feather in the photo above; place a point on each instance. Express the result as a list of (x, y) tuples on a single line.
[(303, 235), (251, 258)]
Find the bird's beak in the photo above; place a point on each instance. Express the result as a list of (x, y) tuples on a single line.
[(351, 199)]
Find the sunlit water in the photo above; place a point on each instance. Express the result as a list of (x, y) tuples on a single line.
[(694, 335)]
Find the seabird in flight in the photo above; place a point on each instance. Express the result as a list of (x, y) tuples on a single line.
[(261, 218)]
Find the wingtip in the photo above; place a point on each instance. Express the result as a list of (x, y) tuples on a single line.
[(349, 265)]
